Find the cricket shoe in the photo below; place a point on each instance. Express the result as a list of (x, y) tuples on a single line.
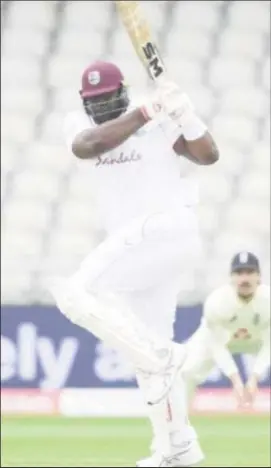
[(189, 454), (161, 383)]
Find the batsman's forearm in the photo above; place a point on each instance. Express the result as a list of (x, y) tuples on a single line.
[(107, 136), (202, 151)]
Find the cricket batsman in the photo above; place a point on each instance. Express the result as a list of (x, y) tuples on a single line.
[(125, 291), (236, 319)]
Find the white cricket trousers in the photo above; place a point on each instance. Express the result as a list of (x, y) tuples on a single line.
[(143, 263), (140, 266)]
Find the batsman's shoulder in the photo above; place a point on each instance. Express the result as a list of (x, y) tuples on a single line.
[(76, 119), (74, 123)]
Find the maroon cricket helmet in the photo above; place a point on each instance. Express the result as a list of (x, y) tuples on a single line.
[(103, 92), (100, 78)]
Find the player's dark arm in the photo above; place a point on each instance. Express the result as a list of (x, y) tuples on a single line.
[(93, 142), (202, 151)]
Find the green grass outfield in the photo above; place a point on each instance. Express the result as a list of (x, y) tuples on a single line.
[(229, 441)]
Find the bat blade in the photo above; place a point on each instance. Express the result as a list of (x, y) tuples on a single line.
[(140, 35)]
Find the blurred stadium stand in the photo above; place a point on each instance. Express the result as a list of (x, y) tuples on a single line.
[(219, 53)]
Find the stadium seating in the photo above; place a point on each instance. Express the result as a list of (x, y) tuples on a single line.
[(219, 53)]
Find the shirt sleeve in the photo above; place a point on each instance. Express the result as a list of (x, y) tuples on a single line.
[(262, 361), (72, 126), (218, 337)]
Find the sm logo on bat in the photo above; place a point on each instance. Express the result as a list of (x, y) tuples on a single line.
[(156, 66)]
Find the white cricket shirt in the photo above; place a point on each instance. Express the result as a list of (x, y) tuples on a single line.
[(140, 177)]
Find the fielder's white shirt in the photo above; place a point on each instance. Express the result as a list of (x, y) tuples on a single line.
[(141, 176), (230, 325)]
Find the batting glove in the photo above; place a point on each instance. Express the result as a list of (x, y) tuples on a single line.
[(151, 108), (180, 109), (176, 104)]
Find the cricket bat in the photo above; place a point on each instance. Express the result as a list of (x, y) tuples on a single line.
[(140, 35)]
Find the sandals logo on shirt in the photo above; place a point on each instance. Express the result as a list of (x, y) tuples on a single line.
[(121, 158)]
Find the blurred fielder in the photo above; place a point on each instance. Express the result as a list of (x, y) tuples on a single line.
[(125, 291), (236, 319)]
